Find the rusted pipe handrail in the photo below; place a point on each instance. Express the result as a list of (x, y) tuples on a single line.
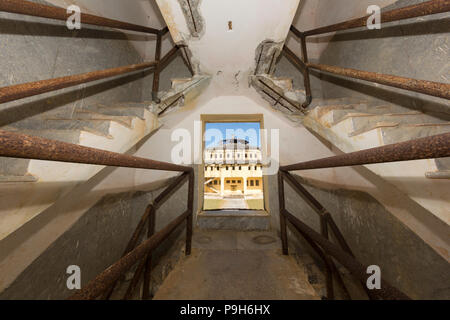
[(44, 11), (387, 291), (413, 11), (437, 146), (17, 145), (29, 89), (164, 30), (105, 279), (437, 89)]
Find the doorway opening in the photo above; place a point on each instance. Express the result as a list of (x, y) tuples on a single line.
[(233, 168)]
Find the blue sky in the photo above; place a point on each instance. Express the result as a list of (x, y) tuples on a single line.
[(239, 129)]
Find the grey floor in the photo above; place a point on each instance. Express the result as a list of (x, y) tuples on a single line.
[(236, 265)]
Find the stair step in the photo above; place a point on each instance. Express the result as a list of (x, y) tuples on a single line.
[(143, 104), (443, 164)]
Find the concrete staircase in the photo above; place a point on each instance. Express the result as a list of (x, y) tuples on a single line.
[(355, 124)]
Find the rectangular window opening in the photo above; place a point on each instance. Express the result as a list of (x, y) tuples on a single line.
[(242, 187)]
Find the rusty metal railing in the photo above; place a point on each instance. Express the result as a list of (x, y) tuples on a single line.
[(424, 148), (18, 145), (437, 89)]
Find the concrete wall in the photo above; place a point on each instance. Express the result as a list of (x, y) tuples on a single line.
[(313, 14)]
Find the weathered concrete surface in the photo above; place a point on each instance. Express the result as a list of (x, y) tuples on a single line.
[(236, 266), (94, 242), (375, 236), (416, 48)]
